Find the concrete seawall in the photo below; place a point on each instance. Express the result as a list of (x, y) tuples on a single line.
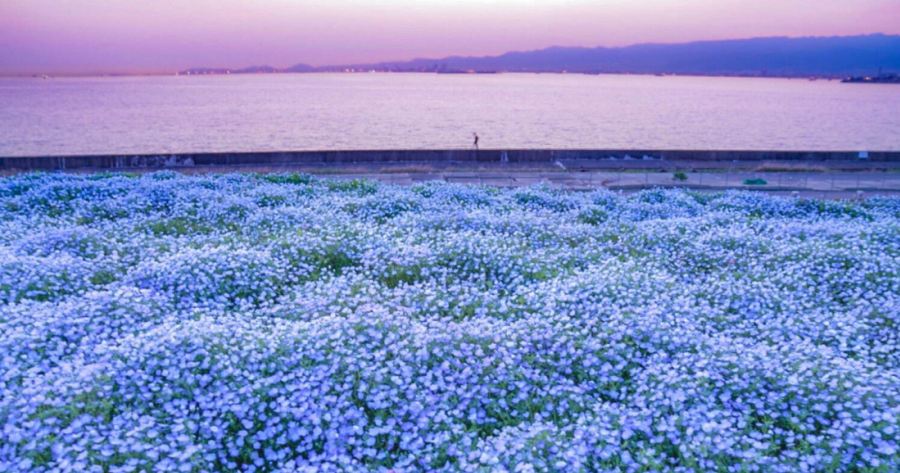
[(325, 158)]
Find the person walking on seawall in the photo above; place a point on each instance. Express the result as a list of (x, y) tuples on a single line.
[(476, 140)]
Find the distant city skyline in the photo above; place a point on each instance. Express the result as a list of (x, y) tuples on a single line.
[(142, 36)]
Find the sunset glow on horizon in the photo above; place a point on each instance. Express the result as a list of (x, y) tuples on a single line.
[(86, 36)]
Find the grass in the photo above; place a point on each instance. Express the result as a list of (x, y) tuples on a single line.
[(784, 167)]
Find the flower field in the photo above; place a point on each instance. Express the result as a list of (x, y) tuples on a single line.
[(264, 323)]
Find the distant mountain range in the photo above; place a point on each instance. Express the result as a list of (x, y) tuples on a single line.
[(776, 56)]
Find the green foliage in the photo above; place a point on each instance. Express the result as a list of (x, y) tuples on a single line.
[(593, 216), (359, 186), (176, 226), (288, 178)]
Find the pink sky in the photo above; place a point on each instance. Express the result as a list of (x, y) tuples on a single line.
[(82, 36)]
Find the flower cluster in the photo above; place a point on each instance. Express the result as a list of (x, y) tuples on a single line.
[(283, 323)]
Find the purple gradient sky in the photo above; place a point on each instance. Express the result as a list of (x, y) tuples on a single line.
[(84, 36)]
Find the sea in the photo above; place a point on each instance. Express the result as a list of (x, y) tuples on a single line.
[(276, 112)]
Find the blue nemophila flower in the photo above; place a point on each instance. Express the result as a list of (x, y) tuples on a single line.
[(284, 323)]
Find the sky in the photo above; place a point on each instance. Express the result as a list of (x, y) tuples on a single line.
[(144, 36)]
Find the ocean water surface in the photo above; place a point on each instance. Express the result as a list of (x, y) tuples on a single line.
[(72, 116)]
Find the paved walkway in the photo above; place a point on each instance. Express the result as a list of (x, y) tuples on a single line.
[(839, 179), (832, 184)]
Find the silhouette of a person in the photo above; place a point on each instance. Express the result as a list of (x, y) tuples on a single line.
[(476, 140)]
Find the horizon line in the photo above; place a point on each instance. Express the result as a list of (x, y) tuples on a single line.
[(283, 70)]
